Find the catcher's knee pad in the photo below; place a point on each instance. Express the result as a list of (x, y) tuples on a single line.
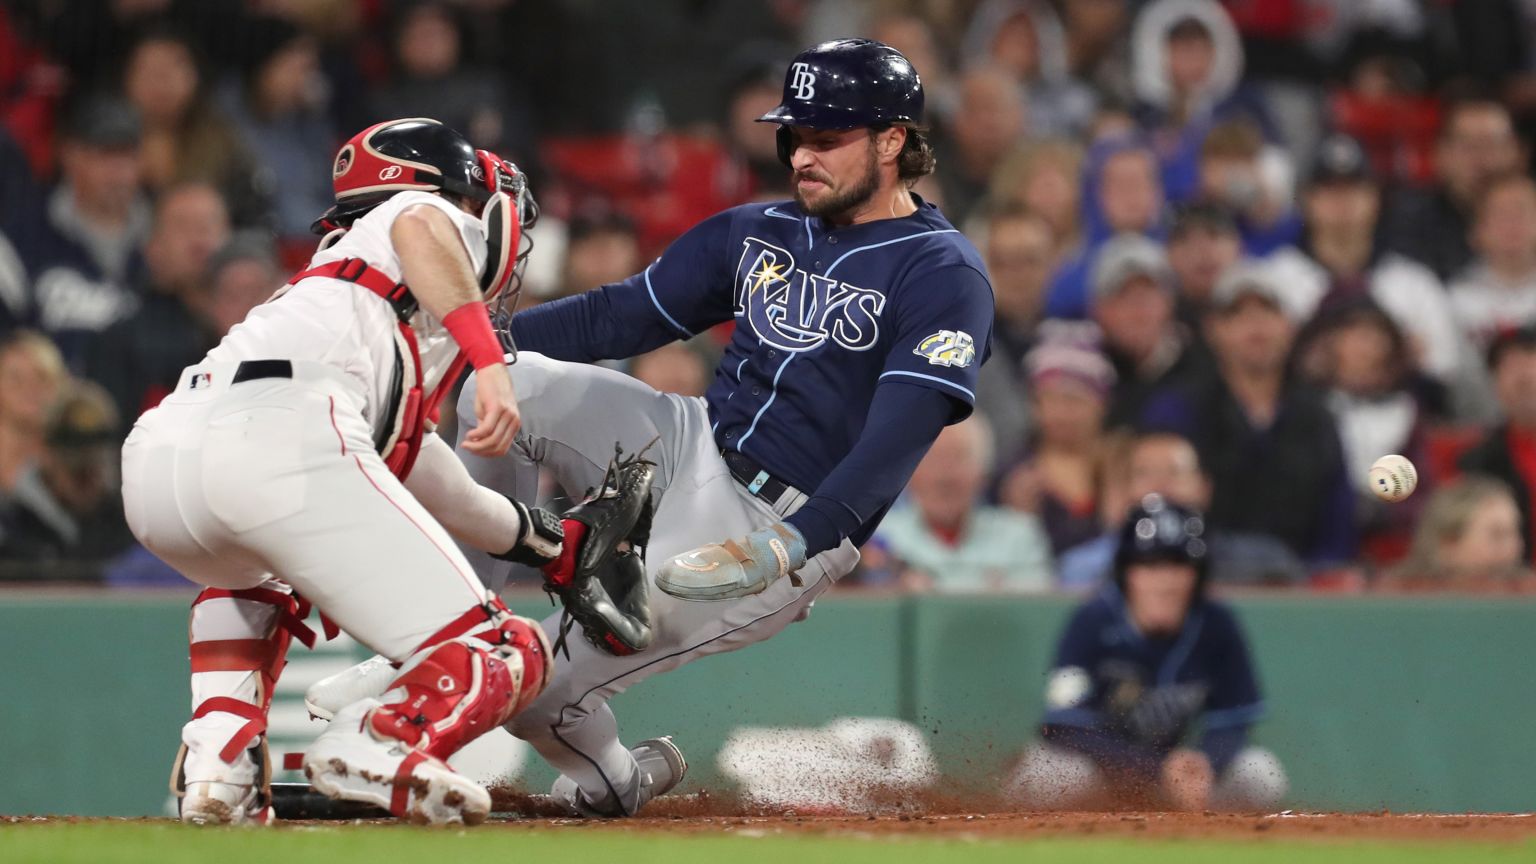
[(459, 689)]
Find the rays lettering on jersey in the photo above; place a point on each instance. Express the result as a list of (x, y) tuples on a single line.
[(794, 310)]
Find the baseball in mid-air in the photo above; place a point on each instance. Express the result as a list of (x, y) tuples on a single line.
[(1393, 478)]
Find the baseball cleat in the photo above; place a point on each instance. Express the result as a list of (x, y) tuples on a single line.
[(662, 766), (214, 803), (367, 679), (349, 763)]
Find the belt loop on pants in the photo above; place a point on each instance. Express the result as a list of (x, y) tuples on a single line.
[(782, 497)]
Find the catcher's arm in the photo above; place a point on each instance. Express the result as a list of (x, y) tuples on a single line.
[(480, 517), (437, 266)]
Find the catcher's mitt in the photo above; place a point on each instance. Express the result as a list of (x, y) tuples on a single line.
[(600, 573)]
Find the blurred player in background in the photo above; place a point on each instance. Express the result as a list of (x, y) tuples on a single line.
[(861, 316), (299, 454), (1137, 666)]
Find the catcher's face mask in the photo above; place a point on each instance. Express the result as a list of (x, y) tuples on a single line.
[(508, 212)]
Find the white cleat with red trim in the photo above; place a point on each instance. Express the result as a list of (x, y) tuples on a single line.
[(348, 761), (223, 804)]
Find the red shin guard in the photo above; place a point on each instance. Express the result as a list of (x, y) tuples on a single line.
[(467, 686)]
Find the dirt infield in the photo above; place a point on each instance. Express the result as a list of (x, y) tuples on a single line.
[(1401, 827), (1416, 827), (696, 814)]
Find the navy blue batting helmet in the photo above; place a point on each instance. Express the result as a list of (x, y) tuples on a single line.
[(844, 84), (1158, 531)]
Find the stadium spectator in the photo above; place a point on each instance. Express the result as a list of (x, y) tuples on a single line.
[(947, 540), (1508, 452), (914, 37), (77, 251), (1477, 142), (186, 138), (1249, 413), (240, 277), (1133, 304), (431, 77), (1044, 177), (987, 123), (601, 247), (1018, 247), (1203, 243), (1240, 172), (1363, 363), (1097, 45), (1123, 194), (1342, 258), (139, 359), (1135, 669), (1497, 291), (756, 88), (1166, 464), (66, 517), (1058, 478), (31, 374), (1025, 38), (278, 110), (673, 368), (1188, 62), (1470, 538)]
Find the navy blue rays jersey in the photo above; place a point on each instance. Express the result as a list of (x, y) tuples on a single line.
[(1128, 700), (823, 316)]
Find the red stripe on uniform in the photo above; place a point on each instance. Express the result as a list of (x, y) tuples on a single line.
[(337, 428)]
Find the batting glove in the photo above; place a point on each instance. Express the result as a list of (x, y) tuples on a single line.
[(737, 567)]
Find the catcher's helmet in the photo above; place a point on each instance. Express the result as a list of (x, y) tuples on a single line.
[(418, 153), (1160, 531), (844, 84), (414, 153)]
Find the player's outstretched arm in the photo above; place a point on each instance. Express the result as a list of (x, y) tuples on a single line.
[(479, 517), (434, 262), (684, 292)]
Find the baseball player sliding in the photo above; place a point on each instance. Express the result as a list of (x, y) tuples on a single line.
[(296, 465), (861, 316)]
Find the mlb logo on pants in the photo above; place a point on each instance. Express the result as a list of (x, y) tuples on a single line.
[(200, 380)]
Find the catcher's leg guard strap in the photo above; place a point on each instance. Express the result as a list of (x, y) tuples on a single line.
[(247, 633)]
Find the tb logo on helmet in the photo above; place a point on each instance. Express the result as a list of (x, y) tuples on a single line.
[(803, 82)]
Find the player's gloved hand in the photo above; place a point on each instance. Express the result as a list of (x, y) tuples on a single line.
[(599, 570), (737, 567), (540, 536)]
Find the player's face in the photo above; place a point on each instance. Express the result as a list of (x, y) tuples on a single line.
[(1159, 595), (836, 170)]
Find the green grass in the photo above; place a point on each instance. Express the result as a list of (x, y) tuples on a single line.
[(167, 843)]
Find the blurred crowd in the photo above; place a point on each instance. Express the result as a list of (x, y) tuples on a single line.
[(1240, 249)]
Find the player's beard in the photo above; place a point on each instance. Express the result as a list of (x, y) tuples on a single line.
[(842, 202)]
